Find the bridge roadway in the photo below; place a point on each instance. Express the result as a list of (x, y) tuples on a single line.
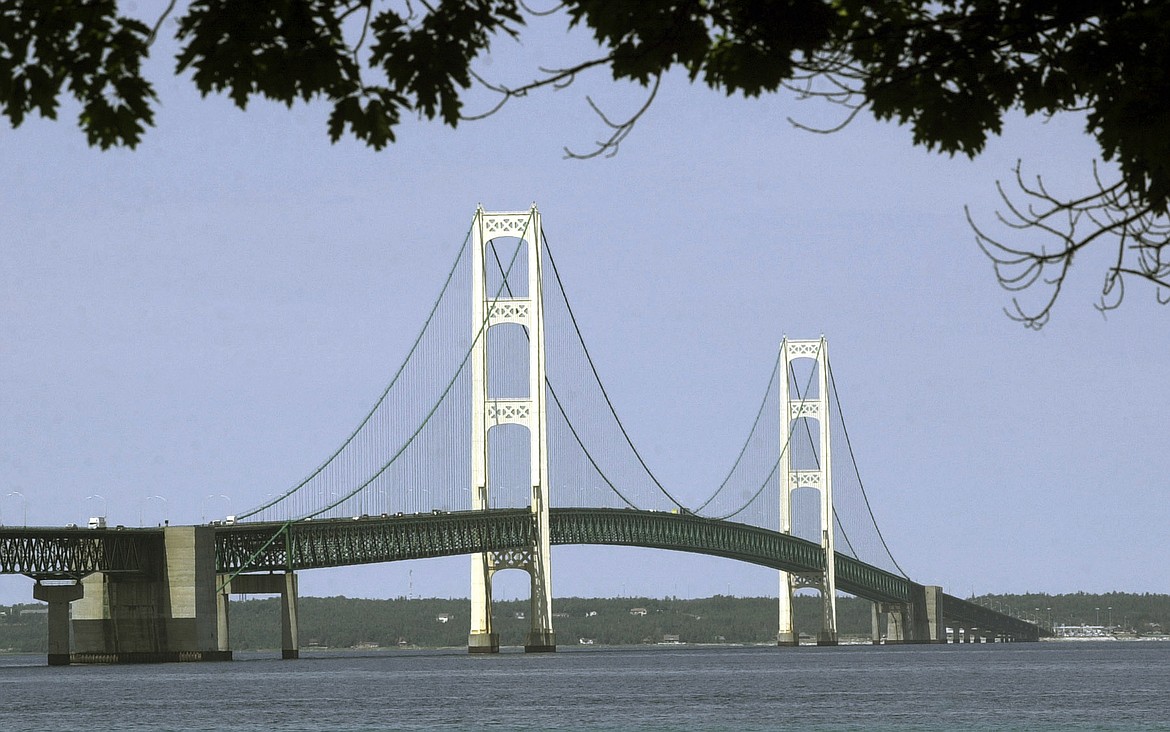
[(335, 543), (55, 554)]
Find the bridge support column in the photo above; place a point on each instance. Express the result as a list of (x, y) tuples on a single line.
[(897, 624), (168, 613), (481, 638), (58, 597), (222, 606), (877, 615), (786, 635), (926, 615), (799, 408), (890, 623), (285, 585), (515, 300), (290, 636)]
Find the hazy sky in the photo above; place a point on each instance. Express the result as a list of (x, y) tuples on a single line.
[(209, 315)]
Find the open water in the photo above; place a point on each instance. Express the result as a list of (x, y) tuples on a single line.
[(1027, 686)]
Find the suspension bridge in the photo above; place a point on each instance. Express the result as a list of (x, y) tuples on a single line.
[(495, 438)]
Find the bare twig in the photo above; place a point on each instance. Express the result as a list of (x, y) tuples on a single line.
[(365, 29), (159, 23), (609, 147), (529, 9), (1111, 211), (556, 78)]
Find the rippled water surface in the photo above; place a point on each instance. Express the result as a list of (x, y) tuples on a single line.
[(1033, 686)]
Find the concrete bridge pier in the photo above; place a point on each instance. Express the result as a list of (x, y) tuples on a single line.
[(895, 618), (920, 620), (284, 585), (482, 638), (58, 597), (930, 626), (167, 612)]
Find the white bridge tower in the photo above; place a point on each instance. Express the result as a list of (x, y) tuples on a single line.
[(490, 309), (797, 413)]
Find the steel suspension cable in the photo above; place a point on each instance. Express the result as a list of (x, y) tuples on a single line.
[(560, 407), (597, 378), (857, 472), (751, 433), (480, 333), (381, 398), (787, 445)]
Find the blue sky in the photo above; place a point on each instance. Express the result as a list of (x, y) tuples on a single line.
[(210, 314)]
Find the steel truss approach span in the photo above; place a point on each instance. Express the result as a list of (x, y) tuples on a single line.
[(53, 553), (339, 542)]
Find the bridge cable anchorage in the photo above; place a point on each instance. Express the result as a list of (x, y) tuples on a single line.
[(597, 378), (397, 375), (747, 442), (480, 333), (857, 472)]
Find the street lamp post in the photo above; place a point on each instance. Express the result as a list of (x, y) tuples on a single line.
[(23, 507), (147, 500), (105, 505), (203, 505)]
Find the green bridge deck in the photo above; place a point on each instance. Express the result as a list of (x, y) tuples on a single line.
[(365, 540), (70, 553)]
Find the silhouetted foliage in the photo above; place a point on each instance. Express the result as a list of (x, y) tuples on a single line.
[(949, 70)]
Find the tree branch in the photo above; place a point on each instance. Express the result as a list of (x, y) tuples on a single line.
[(158, 24), (609, 147), (1110, 211), (557, 78)]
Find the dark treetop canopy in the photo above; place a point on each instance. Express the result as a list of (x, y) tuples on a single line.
[(950, 70)]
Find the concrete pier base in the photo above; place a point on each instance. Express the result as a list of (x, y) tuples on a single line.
[(541, 641), (285, 585), (926, 624), (483, 643), (58, 597), (290, 636), (167, 613)]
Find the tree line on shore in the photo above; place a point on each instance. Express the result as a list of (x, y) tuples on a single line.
[(340, 622)]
